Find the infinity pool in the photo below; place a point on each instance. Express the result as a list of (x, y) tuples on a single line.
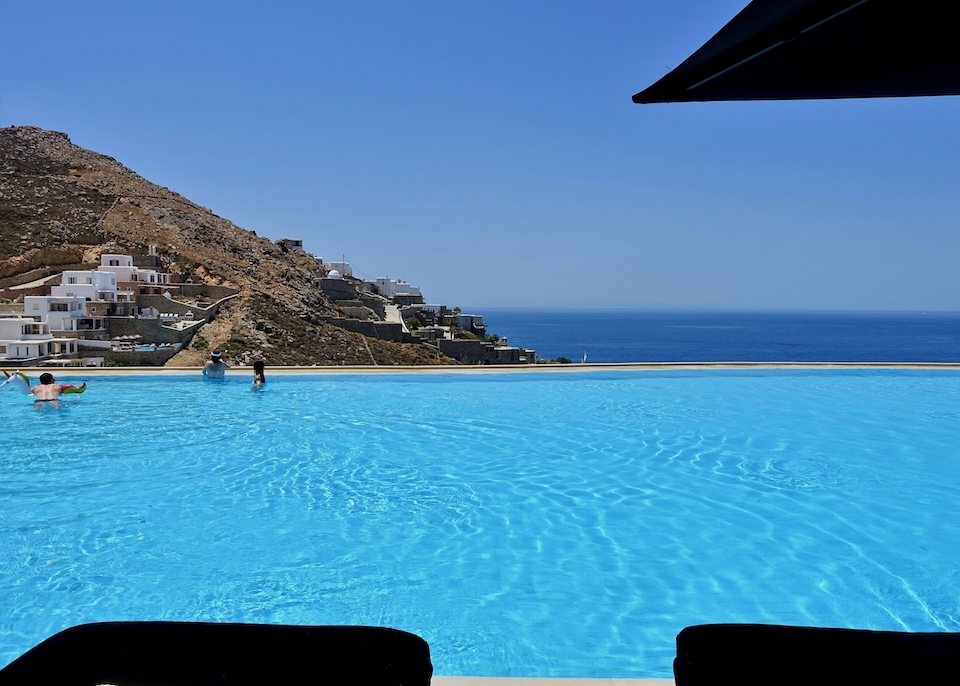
[(533, 524)]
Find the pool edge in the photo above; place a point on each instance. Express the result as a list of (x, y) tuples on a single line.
[(491, 369)]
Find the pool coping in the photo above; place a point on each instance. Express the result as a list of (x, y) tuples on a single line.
[(544, 681), (487, 369)]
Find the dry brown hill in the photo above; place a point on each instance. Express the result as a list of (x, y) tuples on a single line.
[(61, 206)]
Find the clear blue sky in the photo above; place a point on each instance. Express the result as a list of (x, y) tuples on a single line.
[(489, 151)]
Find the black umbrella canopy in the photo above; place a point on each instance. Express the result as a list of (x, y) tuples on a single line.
[(806, 49)]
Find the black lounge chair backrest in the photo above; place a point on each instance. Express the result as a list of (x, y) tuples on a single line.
[(754, 654), (204, 654)]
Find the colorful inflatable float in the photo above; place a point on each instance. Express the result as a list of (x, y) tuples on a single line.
[(22, 381)]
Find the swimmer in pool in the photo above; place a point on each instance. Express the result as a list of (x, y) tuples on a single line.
[(48, 389), (258, 378), (215, 367)]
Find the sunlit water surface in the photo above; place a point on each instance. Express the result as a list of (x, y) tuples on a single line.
[(523, 524)]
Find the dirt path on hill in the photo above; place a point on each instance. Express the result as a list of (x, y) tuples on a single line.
[(216, 333)]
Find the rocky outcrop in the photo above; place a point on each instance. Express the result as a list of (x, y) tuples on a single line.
[(61, 206)]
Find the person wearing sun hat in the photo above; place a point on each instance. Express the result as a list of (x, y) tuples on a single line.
[(215, 366)]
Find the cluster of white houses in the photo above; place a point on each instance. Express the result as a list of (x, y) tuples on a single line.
[(79, 311), (52, 325)]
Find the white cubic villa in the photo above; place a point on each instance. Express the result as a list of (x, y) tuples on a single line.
[(100, 291), (131, 277), (89, 285), (390, 288), (64, 315), (23, 339)]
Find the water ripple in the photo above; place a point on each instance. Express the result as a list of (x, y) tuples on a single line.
[(542, 525)]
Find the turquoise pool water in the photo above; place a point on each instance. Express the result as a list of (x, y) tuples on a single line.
[(524, 524)]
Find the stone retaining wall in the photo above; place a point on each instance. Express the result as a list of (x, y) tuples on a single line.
[(465, 351), (163, 304), (385, 331), (195, 290), (338, 289), (150, 330), (133, 358)]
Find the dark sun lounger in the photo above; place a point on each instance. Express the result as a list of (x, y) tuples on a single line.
[(202, 654), (754, 654)]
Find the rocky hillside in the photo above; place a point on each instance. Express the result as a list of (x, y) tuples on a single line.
[(61, 206)]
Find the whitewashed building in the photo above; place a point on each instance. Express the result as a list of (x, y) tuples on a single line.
[(343, 267), (89, 285), (99, 289), (470, 322), (131, 277), (64, 315), (23, 339), (390, 288)]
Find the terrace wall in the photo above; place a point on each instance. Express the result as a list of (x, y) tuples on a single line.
[(385, 331), (151, 330)]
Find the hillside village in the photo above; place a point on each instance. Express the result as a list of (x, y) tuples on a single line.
[(100, 267), (123, 313)]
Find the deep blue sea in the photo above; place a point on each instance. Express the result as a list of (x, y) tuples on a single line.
[(687, 336)]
